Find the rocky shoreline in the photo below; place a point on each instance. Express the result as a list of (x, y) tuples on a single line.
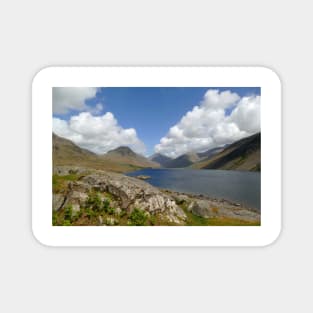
[(77, 187)]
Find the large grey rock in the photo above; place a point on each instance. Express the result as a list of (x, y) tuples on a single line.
[(129, 193), (221, 208)]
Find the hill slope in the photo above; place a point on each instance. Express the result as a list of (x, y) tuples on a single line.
[(65, 152), (244, 154), (125, 155), (160, 158), (184, 160), (209, 153)]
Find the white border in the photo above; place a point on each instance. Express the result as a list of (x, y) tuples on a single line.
[(262, 77)]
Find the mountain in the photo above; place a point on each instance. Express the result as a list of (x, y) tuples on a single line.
[(160, 158), (125, 155), (184, 160), (244, 154), (65, 152), (209, 153), (64, 149)]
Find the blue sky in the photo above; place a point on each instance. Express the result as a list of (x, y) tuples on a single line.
[(152, 111)]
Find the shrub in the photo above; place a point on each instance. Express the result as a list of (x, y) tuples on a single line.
[(94, 202), (89, 213), (54, 218), (137, 217), (110, 210), (68, 212), (123, 213), (66, 223), (153, 220), (106, 205)]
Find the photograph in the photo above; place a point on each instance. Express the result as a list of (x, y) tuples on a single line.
[(156, 156)]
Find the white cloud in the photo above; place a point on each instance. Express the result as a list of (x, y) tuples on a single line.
[(97, 133), (65, 99), (206, 126)]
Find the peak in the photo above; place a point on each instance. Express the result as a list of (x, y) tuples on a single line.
[(123, 150)]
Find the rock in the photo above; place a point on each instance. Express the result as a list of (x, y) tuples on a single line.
[(75, 208), (76, 198), (143, 177), (100, 220), (221, 208), (110, 221), (200, 208), (133, 193), (57, 201), (180, 198)]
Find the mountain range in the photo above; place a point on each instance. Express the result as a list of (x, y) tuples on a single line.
[(186, 159), (240, 155), (122, 159), (244, 154)]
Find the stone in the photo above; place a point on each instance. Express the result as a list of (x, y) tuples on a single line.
[(100, 220), (57, 201), (110, 221)]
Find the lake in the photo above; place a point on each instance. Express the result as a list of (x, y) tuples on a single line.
[(237, 186)]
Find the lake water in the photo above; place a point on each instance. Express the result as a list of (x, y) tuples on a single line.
[(237, 186)]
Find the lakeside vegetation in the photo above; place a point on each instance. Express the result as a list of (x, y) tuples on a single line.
[(101, 208)]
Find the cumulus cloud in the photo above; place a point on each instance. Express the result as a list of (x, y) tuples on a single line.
[(97, 133), (207, 125), (65, 99)]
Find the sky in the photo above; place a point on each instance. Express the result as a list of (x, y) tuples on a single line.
[(167, 120)]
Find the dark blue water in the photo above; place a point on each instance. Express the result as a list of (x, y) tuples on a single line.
[(237, 186)]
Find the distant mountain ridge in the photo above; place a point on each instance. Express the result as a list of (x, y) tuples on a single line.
[(121, 159), (160, 158), (188, 159), (126, 155), (184, 160), (244, 154)]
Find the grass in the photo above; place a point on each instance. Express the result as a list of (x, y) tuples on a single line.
[(60, 183), (138, 217)]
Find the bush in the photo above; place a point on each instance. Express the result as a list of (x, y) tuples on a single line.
[(138, 217), (153, 220), (66, 223), (94, 202), (123, 213), (110, 210), (68, 212), (54, 218), (89, 213)]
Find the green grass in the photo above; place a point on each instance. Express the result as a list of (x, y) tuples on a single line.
[(138, 217), (60, 183)]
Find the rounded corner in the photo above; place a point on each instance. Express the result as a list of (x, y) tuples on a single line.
[(274, 238), (41, 73), (272, 73), (38, 239)]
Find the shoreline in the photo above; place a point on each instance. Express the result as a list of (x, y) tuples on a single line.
[(210, 198), (74, 185)]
